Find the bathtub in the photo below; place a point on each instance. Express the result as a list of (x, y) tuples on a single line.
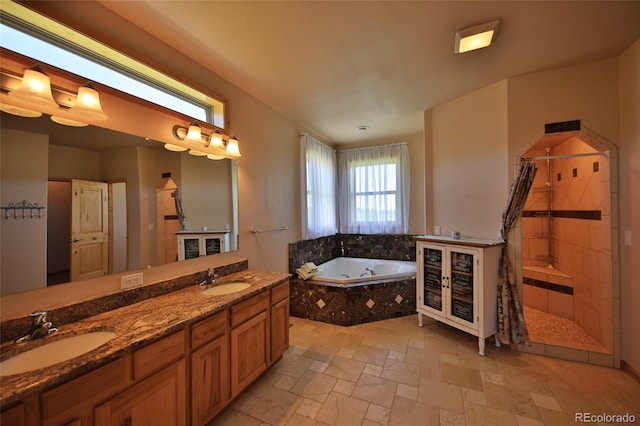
[(353, 270), (346, 293)]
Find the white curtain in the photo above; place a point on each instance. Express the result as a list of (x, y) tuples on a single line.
[(318, 166), (373, 190)]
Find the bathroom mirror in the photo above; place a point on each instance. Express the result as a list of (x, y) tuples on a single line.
[(47, 155)]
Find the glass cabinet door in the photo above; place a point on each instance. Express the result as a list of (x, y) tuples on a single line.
[(461, 286), (191, 247), (212, 245), (433, 273)]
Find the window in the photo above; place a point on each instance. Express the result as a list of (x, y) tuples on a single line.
[(374, 190), (30, 34), (319, 188)]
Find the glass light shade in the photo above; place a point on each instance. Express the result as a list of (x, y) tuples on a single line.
[(88, 104), (476, 37), (233, 148), (194, 133), (35, 88), (215, 140), (197, 153), (67, 121), (215, 157), (175, 148), (475, 41), (19, 111)]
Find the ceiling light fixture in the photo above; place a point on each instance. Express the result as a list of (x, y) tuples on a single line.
[(362, 129), (212, 145), (476, 37)]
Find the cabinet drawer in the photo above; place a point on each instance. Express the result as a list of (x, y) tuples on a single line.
[(279, 292), (76, 399), (249, 308), (157, 355), (208, 329)]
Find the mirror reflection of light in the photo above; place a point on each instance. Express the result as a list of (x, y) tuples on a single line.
[(56, 56)]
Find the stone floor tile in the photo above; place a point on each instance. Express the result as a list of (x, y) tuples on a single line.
[(344, 387), (479, 415), (441, 394), (461, 376), (450, 418), (378, 414), (413, 413), (474, 396), (375, 390), (341, 410), (275, 407), (408, 392), (312, 385), (308, 408), (344, 368), (545, 401)]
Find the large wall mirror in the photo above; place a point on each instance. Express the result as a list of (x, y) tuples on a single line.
[(42, 160)]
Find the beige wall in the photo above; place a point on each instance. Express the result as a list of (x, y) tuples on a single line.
[(629, 192), (470, 168), (23, 173)]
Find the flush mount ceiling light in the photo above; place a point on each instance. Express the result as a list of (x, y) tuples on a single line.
[(476, 37)]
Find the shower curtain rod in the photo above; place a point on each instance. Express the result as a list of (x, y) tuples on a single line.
[(555, 157)]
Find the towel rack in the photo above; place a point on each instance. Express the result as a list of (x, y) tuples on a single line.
[(19, 210), (280, 228)]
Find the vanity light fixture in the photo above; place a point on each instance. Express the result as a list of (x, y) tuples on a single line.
[(174, 148), (88, 103), (212, 145), (35, 88), (476, 37)]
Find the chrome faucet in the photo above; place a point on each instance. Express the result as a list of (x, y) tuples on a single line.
[(211, 277), (40, 327), (373, 273)]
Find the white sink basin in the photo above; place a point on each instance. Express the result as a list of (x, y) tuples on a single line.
[(229, 288), (55, 352)]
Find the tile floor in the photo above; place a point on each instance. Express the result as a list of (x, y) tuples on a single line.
[(393, 372)]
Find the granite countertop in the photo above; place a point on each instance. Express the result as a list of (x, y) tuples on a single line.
[(134, 326)]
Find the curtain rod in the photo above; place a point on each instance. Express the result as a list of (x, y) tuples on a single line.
[(555, 157)]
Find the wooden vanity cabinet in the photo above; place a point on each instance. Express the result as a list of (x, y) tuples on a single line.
[(188, 376), (209, 367), (279, 321), (158, 396), (249, 336), (73, 402)]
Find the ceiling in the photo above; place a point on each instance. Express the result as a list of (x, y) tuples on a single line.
[(333, 66)]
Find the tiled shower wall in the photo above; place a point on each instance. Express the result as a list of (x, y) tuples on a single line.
[(378, 246), (581, 228)]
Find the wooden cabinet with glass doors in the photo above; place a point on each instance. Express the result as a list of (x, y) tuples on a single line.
[(456, 284)]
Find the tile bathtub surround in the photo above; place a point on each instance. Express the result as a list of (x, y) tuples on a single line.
[(15, 328), (376, 246), (393, 372), (352, 305)]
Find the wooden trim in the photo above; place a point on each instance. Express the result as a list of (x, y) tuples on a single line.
[(627, 368)]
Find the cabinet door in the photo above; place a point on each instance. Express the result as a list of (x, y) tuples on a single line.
[(156, 401), (279, 329), (431, 273), (462, 287), (211, 245), (209, 380), (248, 352), (189, 247)]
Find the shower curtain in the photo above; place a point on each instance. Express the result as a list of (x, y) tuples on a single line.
[(511, 325)]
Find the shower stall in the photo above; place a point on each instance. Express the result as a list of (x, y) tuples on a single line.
[(566, 249)]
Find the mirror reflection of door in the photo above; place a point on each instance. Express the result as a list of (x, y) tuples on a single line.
[(89, 229)]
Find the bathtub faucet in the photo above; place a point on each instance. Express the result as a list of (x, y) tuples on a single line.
[(370, 271)]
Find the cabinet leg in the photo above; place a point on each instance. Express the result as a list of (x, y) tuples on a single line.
[(497, 341), (419, 319), (481, 345)]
